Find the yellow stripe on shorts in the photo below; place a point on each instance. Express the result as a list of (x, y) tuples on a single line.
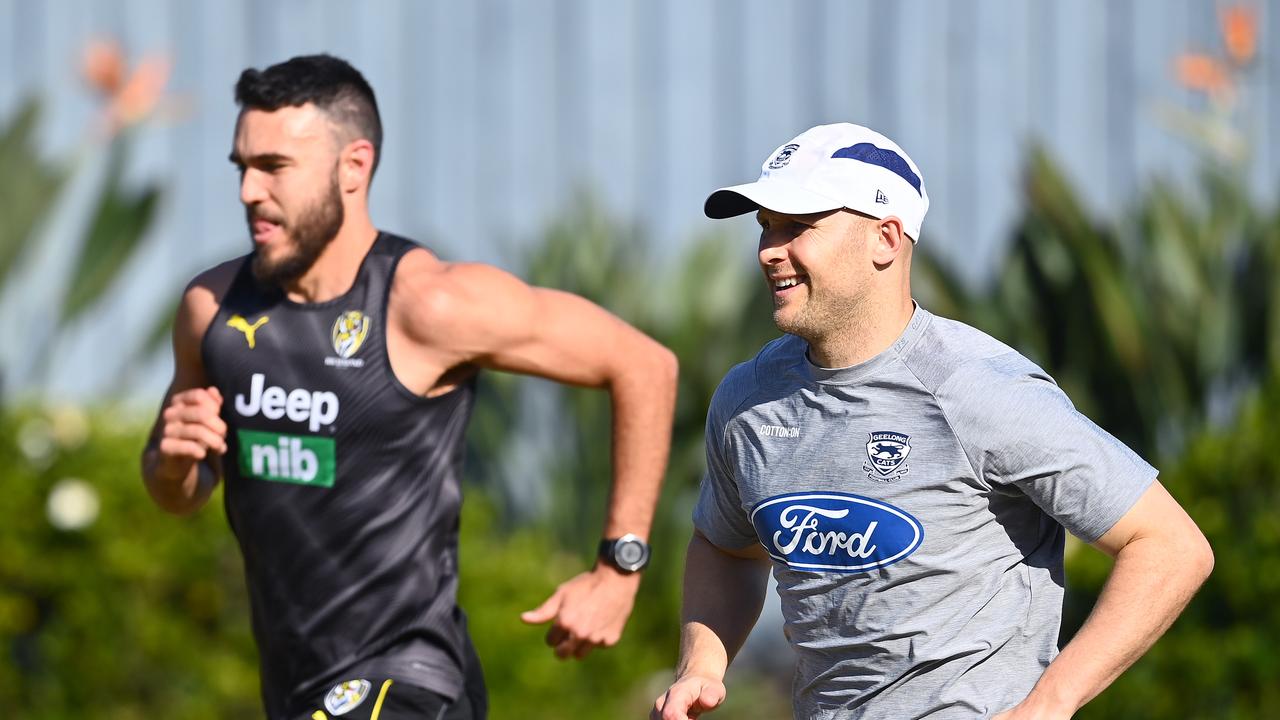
[(382, 694)]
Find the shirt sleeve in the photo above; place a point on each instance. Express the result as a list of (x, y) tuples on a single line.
[(1021, 432), (719, 514)]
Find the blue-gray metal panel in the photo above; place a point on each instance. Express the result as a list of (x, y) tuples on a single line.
[(495, 113), (1267, 169)]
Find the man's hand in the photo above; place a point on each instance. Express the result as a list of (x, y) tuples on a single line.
[(191, 430), (688, 697), (187, 432), (587, 611)]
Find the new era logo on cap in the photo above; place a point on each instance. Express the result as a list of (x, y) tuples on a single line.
[(829, 167)]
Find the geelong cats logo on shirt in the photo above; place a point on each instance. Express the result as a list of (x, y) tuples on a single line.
[(886, 453), (835, 531)]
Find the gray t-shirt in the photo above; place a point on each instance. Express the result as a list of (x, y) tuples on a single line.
[(914, 507)]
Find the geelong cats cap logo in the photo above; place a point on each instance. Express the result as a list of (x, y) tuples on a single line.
[(783, 157)]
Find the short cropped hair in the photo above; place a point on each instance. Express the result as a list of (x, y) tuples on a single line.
[(331, 84)]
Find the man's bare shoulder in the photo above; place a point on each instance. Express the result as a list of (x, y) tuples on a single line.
[(424, 274), (431, 297), (203, 296), (217, 279)]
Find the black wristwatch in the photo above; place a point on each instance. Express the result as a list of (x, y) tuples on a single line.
[(628, 553)]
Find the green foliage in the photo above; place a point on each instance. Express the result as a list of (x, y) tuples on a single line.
[(136, 613), (27, 195), (1219, 660)]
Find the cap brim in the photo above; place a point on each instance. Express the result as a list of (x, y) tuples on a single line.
[(774, 195)]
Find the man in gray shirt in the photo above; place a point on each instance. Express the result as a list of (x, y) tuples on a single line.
[(908, 478)]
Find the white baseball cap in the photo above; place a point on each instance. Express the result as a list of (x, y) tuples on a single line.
[(829, 167)]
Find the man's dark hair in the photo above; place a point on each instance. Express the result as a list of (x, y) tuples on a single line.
[(327, 82)]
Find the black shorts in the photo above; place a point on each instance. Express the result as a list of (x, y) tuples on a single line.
[(391, 699), (386, 699)]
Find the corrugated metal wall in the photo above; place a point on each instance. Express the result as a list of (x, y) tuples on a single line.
[(498, 111)]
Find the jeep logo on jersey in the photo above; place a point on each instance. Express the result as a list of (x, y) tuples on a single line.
[(317, 409), (886, 451), (349, 332), (834, 531)]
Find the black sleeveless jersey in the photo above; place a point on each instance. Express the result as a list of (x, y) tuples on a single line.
[(342, 488)]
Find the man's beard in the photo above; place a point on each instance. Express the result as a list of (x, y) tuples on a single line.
[(311, 233), (823, 316)]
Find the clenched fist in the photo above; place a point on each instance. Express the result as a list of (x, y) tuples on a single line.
[(189, 430)]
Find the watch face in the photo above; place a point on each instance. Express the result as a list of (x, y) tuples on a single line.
[(630, 553)]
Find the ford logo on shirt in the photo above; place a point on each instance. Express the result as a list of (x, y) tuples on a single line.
[(835, 531)]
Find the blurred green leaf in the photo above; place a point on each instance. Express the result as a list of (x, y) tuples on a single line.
[(30, 187), (115, 231)]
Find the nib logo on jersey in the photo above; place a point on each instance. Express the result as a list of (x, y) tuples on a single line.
[(834, 531), (300, 459)]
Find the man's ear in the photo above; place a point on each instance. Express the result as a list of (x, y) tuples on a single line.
[(355, 165), (890, 241)]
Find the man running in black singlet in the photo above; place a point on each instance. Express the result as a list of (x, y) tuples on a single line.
[(329, 375)]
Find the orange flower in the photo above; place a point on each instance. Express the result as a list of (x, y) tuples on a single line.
[(138, 96), (1240, 32), (129, 98), (1203, 73), (103, 66)]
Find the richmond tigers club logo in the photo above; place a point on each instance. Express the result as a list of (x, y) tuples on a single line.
[(345, 697), (349, 332)]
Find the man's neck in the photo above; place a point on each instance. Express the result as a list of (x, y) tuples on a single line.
[(870, 333), (334, 272)]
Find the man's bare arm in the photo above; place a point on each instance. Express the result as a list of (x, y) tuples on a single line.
[(723, 594), (1161, 560), (181, 462), (477, 315)]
